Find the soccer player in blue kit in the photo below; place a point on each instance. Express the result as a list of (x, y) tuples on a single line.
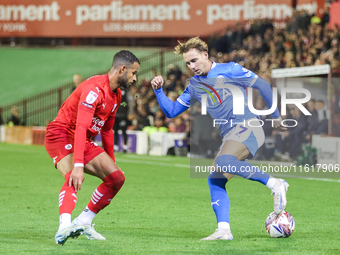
[(241, 139)]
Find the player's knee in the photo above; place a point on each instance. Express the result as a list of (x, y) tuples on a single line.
[(223, 163), (216, 179), (120, 178), (115, 180)]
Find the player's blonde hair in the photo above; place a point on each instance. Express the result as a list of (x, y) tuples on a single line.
[(192, 43)]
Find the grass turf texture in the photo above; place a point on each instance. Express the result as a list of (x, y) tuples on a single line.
[(26, 72), (159, 210)]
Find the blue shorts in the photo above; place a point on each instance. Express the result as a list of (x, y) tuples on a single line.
[(251, 135)]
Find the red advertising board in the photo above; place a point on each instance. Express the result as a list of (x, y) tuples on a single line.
[(131, 18), (334, 12)]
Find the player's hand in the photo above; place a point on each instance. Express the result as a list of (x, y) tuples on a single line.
[(277, 124), (157, 82), (76, 178)]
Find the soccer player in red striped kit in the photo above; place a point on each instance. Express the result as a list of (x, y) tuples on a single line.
[(90, 109)]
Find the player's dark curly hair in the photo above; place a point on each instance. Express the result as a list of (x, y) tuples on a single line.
[(124, 57)]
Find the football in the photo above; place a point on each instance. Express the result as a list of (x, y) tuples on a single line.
[(280, 225)]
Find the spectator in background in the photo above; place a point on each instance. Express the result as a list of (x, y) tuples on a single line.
[(153, 106), (170, 83), (323, 116), (281, 140), (174, 70), (312, 120), (294, 135), (133, 121), (336, 124), (161, 125), (121, 122), (187, 135), (76, 81), (177, 125), (266, 151), (14, 120), (144, 117), (1, 120)]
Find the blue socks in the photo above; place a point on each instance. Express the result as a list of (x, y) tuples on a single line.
[(217, 181), (219, 198), (230, 164)]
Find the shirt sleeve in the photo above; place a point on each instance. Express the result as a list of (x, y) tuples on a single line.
[(172, 109), (267, 94), (247, 78), (184, 99), (107, 130), (107, 136), (88, 102)]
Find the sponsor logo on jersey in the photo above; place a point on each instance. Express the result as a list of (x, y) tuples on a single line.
[(68, 146), (209, 93), (91, 97), (87, 105), (97, 124), (247, 71)]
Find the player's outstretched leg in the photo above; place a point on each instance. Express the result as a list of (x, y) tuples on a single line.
[(220, 204), (230, 164), (101, 198), (67, 202)]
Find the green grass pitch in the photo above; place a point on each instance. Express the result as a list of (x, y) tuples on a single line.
[(160, 210)]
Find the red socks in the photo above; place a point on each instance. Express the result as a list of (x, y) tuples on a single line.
[(67, 197), (103, 195)]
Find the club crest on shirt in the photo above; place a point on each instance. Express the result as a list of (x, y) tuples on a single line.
[(220, 79), (68, 146), (91, 97)]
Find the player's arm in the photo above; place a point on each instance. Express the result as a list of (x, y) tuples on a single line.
[(170, 109), (107, 136), (247, 78), (266, 92), (86, 109)]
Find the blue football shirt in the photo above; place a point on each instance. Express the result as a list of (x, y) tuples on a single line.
[(220, 100)]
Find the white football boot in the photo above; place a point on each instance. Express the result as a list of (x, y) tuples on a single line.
[(279, 195), (89, 231), (220, 234), (72, 231)]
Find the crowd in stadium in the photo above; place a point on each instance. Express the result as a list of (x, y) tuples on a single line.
[(259, 46)]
